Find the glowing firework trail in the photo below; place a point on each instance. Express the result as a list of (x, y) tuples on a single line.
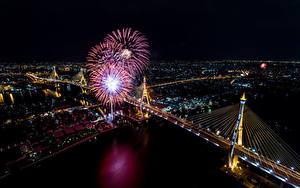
[(133, 48), (110, 84)]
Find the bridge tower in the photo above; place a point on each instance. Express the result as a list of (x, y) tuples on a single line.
[(2, 102), (237, 134), (80, 80), (54, 76), (83, 82), (145, 98)]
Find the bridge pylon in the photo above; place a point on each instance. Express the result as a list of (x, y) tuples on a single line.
[(237, 135), (54, 76), (145, 99), (83, 82)]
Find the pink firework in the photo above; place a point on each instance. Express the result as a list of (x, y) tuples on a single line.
[(102, 52), (107, 53), (110, 84), (133, 48)]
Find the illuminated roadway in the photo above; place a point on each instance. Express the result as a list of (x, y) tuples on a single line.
[(43, 80), (193, 79), (152, 86)]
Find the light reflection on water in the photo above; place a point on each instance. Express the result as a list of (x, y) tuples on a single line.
[(121, 164), (156, 155)]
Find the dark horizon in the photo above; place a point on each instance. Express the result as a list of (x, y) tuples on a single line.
[(204, 30)]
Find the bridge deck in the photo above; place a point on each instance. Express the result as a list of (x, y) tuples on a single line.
[(278, 170)]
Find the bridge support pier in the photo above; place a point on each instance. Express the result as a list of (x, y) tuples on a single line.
[(232, 161)]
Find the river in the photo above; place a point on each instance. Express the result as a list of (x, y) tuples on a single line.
[(157, 154)]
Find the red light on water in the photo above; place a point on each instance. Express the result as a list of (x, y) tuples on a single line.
[(120, 167)]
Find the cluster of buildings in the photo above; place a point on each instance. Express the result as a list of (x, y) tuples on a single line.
[(37, 122)]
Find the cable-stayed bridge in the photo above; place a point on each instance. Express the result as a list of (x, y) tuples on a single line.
[(235, 128), (256, 143)]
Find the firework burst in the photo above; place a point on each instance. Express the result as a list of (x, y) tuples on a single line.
[(103, 53), (132, 47), (114, 63), (110, 84)]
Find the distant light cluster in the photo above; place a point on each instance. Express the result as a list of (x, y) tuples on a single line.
[(115, 62), (263, 66)]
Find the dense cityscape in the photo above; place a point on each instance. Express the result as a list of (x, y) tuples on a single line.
[(143, 94), (48, 108)]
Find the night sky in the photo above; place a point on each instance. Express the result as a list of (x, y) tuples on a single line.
[(176, 29)]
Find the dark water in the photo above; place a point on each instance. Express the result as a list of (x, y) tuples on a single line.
[(155, 155)]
